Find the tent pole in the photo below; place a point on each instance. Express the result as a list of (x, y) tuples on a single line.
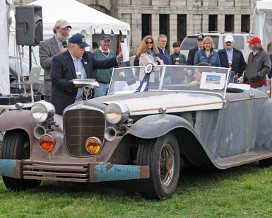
[(118, 49)]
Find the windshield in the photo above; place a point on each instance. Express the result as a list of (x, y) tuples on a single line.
[(170, 78)]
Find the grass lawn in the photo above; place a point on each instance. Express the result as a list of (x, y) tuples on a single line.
[(240, 192)]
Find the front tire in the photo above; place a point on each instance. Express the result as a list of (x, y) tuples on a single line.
[(16, 145), (163, 158)]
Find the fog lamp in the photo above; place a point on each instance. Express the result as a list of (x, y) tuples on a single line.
[(93, 145), (47, 143)]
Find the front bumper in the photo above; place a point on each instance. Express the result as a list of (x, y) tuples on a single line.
[(79, 172)]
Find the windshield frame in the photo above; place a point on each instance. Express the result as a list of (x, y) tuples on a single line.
[(210, 85)]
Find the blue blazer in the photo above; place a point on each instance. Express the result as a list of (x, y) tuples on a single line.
[(164, 56), (191, 56), (63, 71)]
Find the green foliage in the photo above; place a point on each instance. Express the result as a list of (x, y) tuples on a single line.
[(239, 192)]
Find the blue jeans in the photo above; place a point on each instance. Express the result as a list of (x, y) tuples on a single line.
[(102, 90)]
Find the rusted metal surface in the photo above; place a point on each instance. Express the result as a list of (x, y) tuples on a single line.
[(11, 168), (114, 172), (56, 171), (85, 172), (244, 158)]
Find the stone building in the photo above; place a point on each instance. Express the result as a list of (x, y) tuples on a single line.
[(176, 18)]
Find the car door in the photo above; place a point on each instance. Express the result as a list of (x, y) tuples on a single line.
[(239, 120)]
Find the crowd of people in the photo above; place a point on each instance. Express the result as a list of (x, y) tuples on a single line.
[(64, 59)]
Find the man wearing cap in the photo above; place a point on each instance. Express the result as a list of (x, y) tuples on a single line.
[(259, 65), (50, 47), (192, 52), (73, 64), (233, 58), (103, 76)]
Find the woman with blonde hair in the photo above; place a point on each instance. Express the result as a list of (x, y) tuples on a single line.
[(148, 52), (207, 53)]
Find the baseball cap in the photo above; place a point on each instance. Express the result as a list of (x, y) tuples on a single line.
[(78, 39), (105, 38), (229, 38), (62, 24), (200, 37), (254, 39)]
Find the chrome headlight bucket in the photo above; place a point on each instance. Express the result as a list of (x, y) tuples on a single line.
[(42, 111), (116, 113)]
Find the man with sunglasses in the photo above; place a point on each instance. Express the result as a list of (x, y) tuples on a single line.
[(233, 58), (50, 47)]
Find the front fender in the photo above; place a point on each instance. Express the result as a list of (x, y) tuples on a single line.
[(157, 125), (17, 119)]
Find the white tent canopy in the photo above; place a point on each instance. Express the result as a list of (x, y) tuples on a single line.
[(263, 21), (80, 16)]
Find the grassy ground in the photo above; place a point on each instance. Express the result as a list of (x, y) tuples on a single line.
[(239, 192)]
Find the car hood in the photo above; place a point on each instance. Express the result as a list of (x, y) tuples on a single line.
[(149, 103)]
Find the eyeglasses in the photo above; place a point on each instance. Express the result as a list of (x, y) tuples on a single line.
[(65, 29), (149, 43)]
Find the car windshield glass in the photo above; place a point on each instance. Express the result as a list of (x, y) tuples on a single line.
[(170, 78)]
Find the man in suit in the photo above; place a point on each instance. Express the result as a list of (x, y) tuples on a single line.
[(233, 58), (192, 52), (50, 47), (163, 55), (72, 64)]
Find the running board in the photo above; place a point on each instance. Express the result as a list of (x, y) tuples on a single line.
[(241, 159)]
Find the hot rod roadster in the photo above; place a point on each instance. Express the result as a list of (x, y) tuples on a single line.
[(154, 120)]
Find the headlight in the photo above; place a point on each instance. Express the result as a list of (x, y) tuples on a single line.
[(42, 111), (115, 113)]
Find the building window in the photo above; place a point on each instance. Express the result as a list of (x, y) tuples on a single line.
[(245, 23), (229, 23), (212, 23), (181, 27), (146, 25), (164, 26)]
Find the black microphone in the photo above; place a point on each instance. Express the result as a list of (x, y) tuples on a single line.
[(64, 44)]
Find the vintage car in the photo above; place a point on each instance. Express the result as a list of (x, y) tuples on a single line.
[(154, 121)]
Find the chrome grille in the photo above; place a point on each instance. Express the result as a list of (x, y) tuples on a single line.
[(78, 126)]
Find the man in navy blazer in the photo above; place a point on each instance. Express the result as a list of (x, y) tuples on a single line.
[(233, 58), (192, 52), (73, 64)]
